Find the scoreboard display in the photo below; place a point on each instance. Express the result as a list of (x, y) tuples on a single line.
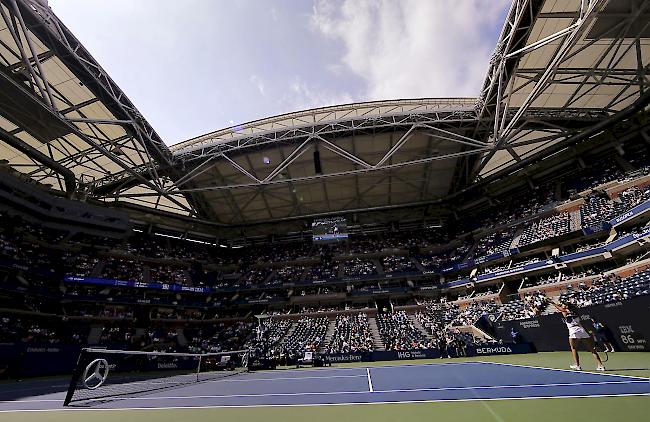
[(325, 230)]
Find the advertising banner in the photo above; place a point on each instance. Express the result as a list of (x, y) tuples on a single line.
[(629, 215), (626, 321), (394, 355), (134, 284)]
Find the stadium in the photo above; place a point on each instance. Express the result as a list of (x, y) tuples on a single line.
[(405, 259)]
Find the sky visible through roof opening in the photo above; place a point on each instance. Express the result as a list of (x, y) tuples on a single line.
[(195, 66)]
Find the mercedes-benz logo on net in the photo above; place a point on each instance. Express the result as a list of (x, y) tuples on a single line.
[(95, 374)]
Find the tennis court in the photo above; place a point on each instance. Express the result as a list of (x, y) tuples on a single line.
[(405, 384)]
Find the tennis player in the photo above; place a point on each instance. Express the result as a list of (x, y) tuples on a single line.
[(601, 335), (577, 335)]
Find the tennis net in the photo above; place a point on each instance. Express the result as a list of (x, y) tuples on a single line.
[(102, 374)]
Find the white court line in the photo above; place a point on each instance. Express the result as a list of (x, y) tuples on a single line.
[(284, 378), (369, 380), (182, 385), (302, 371), (565, 370), (402, 365), (330, 393), (72, 409), (13, 390)]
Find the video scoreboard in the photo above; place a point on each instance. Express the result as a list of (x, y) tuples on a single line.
[(325, 230)]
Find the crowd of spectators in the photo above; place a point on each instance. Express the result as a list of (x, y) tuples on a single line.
[(608, 289), (122, 269), (99, 311), (118, 334), (169, 274), (437, 317), (475, 310), (279, 252), (325, 271), (351, 334), (219, 337), (275, 330), (431, 261), (495, 242), (253, 277), (132, 259), (546, 228), (532, 305), (40, 331), (398, 332), (289, 274), (599, 208), (177, 314), (308, 334), (359, 267), (397, 264)]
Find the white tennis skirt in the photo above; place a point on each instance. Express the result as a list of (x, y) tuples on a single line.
[(578, 332)]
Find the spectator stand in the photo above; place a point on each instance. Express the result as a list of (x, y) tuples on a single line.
[(490, 295), (555, 287)]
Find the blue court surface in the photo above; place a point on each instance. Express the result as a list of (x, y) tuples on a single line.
[(334, 386)]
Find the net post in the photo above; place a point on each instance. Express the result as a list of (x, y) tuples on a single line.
[(198, 368), (76, 374)]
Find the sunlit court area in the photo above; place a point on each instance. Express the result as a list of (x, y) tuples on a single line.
[(324, 210)]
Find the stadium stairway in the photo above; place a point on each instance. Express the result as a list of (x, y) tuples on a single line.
[(376, 338), (378, 267), (470, 251), (549, 310), (139, 333), (575, 222), (328, 336), (95, 334), (97, 270), (420, 327), (517, 238), (475, 331), (417, 264), (289, 333), (180, 337)]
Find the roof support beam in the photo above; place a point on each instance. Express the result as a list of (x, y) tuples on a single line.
[(327, 175), (396, 147), (32, 49), (343, 153), (295, 154), (36, 155), (593, 130), (240, 168), (503, 127), (571, 33), (39, 80)]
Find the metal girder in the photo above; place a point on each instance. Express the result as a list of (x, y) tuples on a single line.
[(34, 154), (321, 176), (494, 104), (303, 134), (477, 129), (573, 139), (448, 130), (502, 127), (322, 130), (187, 158), (49, 29), (25, 19)]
